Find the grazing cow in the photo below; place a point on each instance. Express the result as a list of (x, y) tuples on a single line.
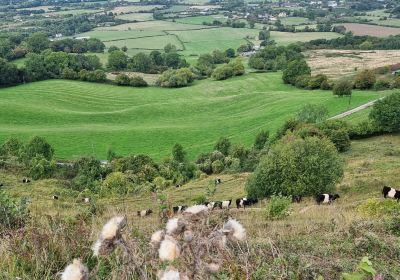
[(54, 197), (226, 204), (179, 209), (178, 186), (391, 193), (297, 198), (218, 181), (26, 180), (217, 204), (243, 202), (144, 213), (86, 200), (326, 198)]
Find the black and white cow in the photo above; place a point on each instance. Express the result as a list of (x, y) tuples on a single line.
[(179, 209), (210, 205), (391, 193), (26, 180), (178, 186), (243, 202), (144, 213), (326, 198), (297, 198), (54, 197), (218, 181), (86, 200), (226, 204)]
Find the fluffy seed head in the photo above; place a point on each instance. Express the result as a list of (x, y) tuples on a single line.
[(212, 268), (196, 209), (169, 249), (75, 271), (156, 239), (110, 234), (235, 230), (175, 225)]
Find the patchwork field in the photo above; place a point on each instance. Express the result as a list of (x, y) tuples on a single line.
[(156, 25), (201, 19), (81, 118), (136, 16), (135, 8), (338, 63), (295, 20), (372, 30), (285, 38)]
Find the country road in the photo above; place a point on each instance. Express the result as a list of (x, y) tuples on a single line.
[(355, 110)]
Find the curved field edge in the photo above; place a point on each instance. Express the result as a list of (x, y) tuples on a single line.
[(80, 118)]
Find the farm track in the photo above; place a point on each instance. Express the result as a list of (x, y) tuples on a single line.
[(355, 110)]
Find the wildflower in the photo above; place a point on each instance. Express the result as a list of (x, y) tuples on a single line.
[(169, 249), (75, 271), (235, 230)]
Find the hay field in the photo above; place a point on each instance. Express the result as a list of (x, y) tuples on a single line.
[(371, 30), (338, 63)]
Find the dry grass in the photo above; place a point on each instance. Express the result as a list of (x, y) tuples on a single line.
[(371, 30), (341, 63)]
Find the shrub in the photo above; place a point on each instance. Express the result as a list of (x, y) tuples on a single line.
[(138, 81), (230, 52), (365, 79), (340, 138), (11, 148), (38, 146), (363, 129), (342, 88), (217, 166), (294, 69), (386, 113), (302, 81), (69, 74), (176, 78), (396, 82), (312, 113), (261, 140), (379, 208), (237, 66), (222, 72), (40, 167), (316, 81), (296, 166), (116, 182), (12, 214), (382, 84), (122, 80), (117, 60), (278, 207), (326, 85), (223, 145)]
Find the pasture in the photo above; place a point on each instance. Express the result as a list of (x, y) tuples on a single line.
[(371, 30), (80, 118), (136, 16), (314, 240), (339, 63), (135, 9), (285, 38)]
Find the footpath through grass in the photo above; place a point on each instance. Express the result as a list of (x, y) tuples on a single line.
[(80, 118)]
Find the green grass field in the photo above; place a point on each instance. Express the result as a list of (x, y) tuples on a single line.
[(295, 20), (81, 118), (285, 38)]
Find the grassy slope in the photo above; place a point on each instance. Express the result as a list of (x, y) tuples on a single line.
[(314, 240), (82, 118)]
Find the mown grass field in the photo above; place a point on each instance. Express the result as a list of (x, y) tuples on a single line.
[(81, 118), (314, 240)]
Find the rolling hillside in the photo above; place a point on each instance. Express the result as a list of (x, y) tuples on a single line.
[(81, 118)]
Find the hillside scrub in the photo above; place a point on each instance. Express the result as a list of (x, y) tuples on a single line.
[(294, 166), (386, 113)]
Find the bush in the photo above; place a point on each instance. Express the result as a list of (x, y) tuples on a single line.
[(223, 145), (342, 88), (296, 166), (294, 69), (40, 167), (312, 113), (138, 81), (176, 78), (222, 72), (302, 81), (317, 81), (278, 207), (386, 113), (396, 82), (69, 74), (116, 182), (365, 79), (363, 129), (217, 166), (382, 84), (38, 146), (326, 85), (12, 214), (340, 138), (122, 80), (379, 208), (237, 66)]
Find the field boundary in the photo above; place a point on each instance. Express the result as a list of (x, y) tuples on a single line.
[(355, 110)]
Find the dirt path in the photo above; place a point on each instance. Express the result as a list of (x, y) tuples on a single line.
[(355, 110)]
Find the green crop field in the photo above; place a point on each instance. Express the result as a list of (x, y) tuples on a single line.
[(284, 38), (81, 118)]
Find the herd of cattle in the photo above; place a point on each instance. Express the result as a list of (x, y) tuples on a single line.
[(388, 192)]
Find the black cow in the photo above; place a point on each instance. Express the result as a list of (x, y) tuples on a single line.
[(391, 193), (54, 197), (144, 213), (243, 202), (179, 209), (26, 180), (326, 198)]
